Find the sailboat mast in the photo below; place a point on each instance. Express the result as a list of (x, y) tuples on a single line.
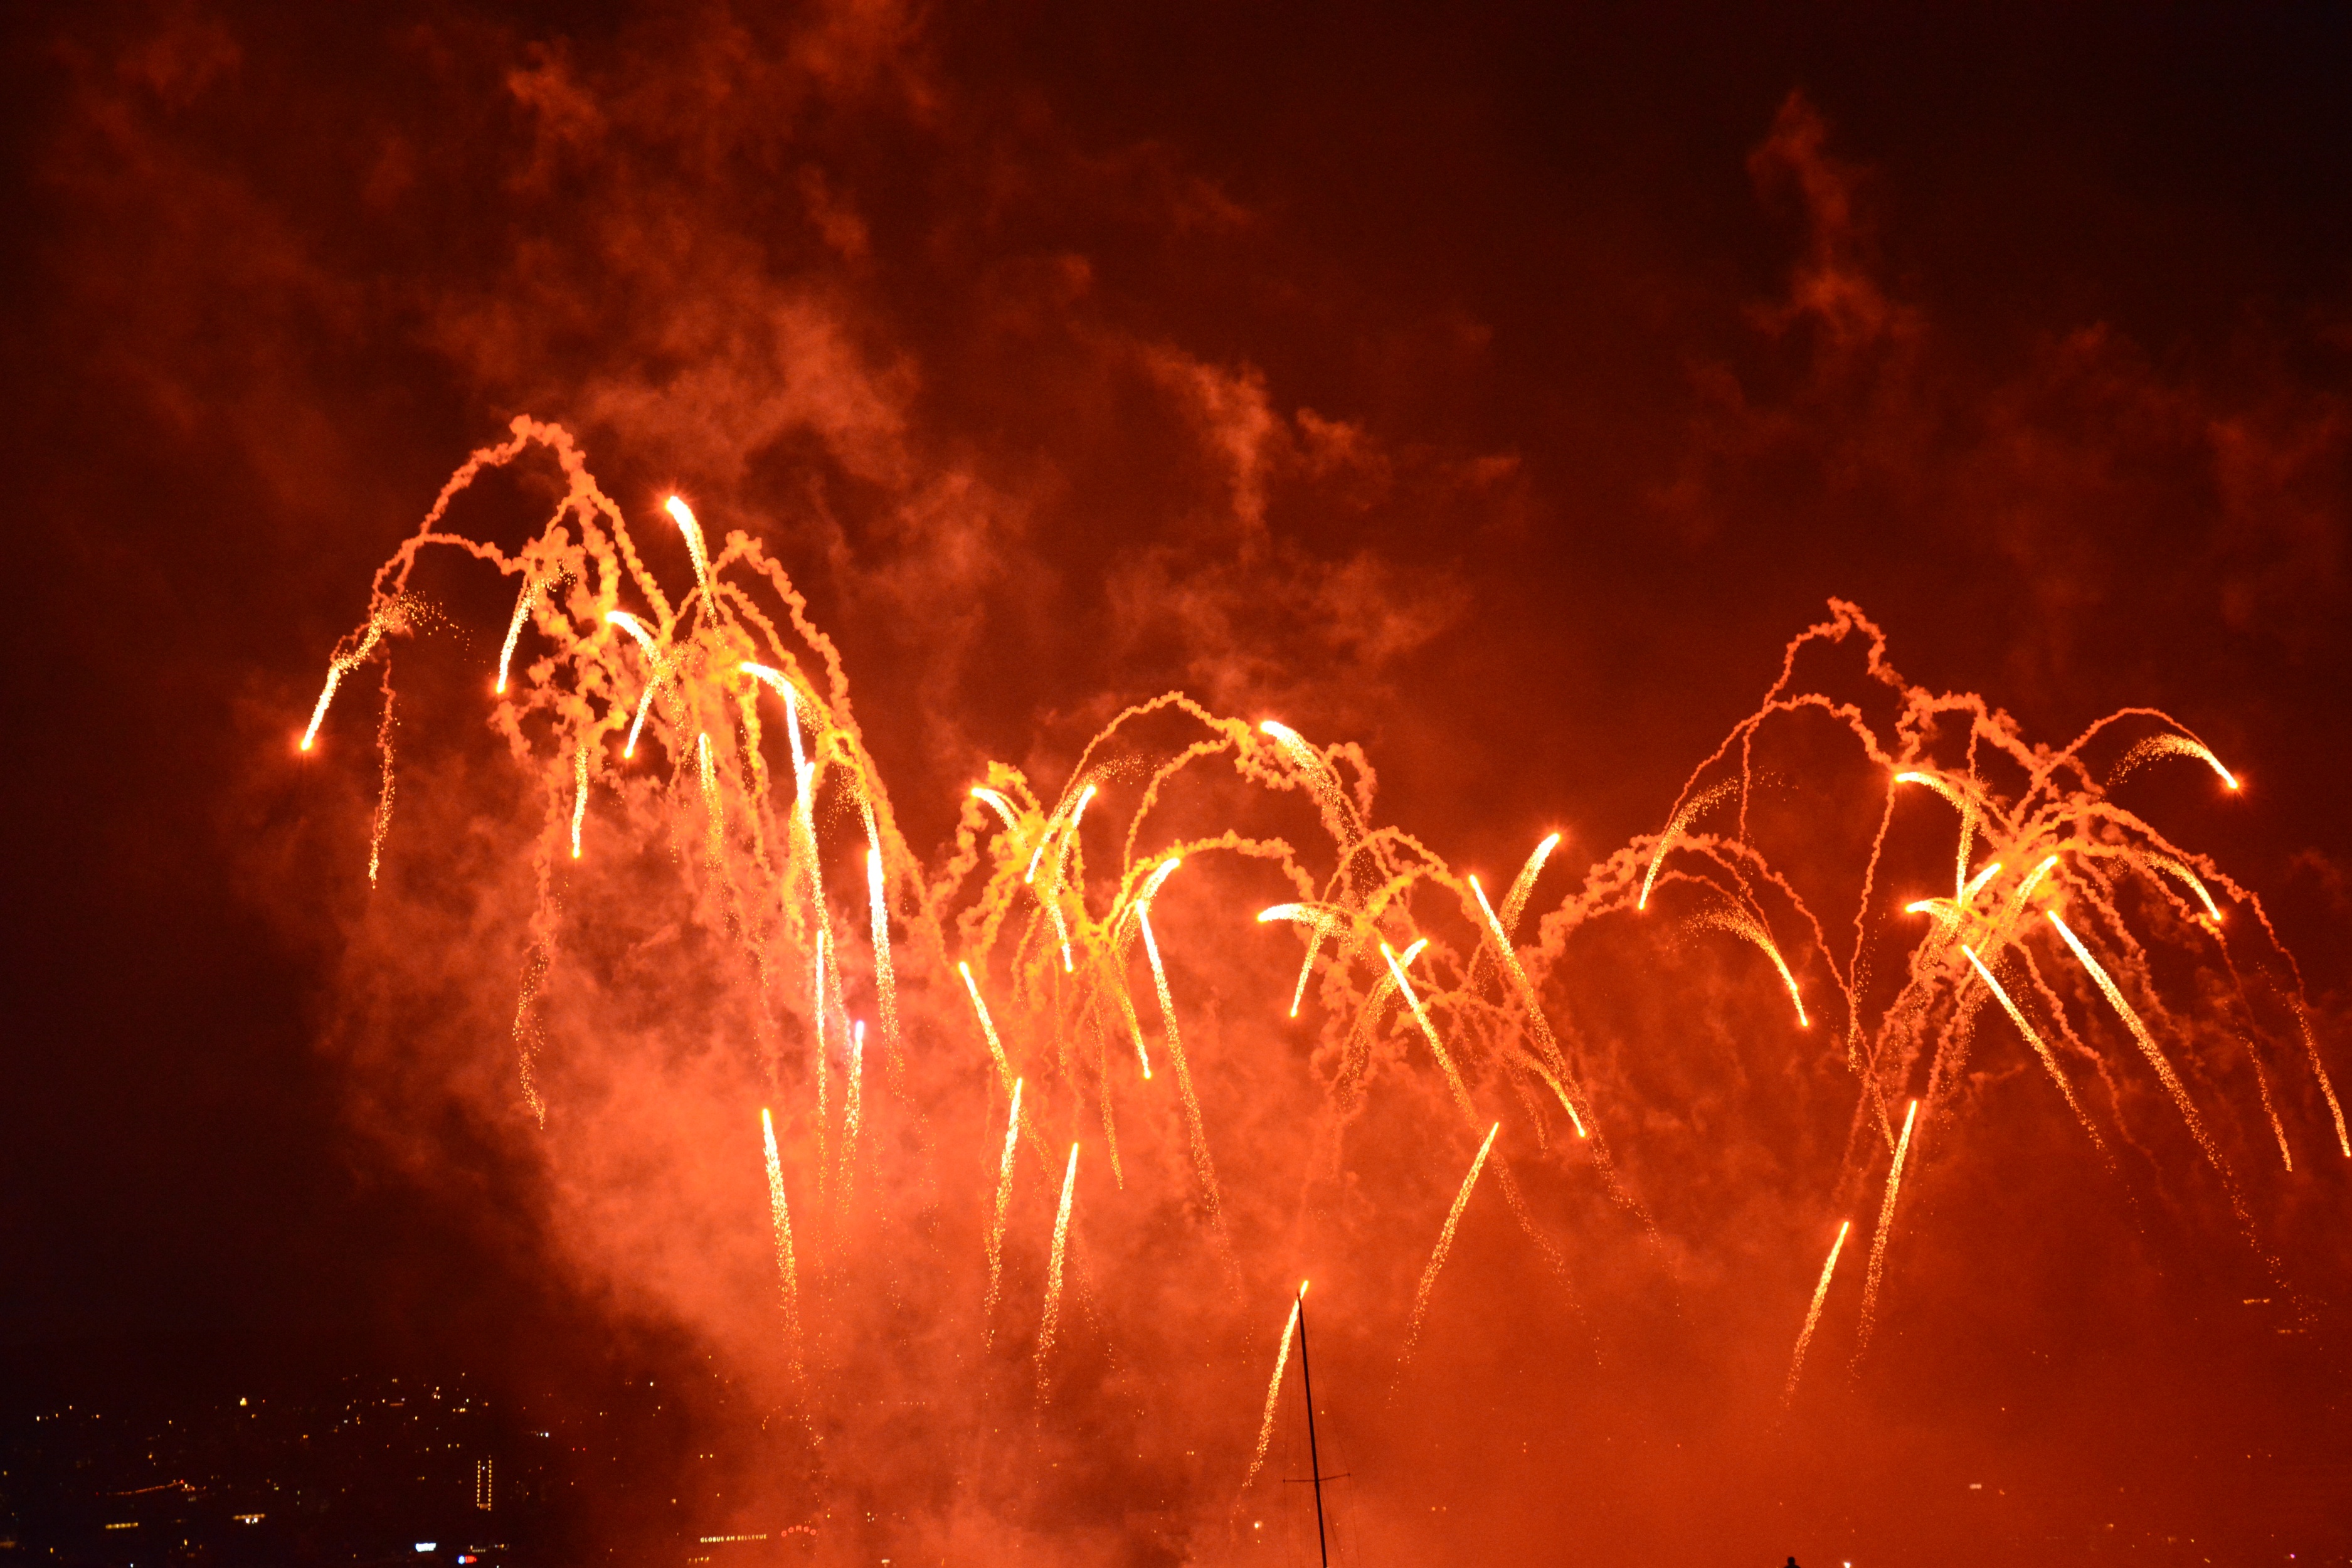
[(1314, 1463)]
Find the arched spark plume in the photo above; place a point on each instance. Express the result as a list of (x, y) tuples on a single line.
[(704, 954)]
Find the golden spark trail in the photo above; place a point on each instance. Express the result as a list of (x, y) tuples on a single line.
[(1515, 902), (1741, 923), (342, 664), (636, 628), (2262, 1083), (1054, 1270), (2170, 746), (514, 630), (710, 806), (384, 785), (1444, 1245), (1977, 883), (2156, 1058), (683, 515), (1674, 825), (2195, 885), (2319, 1069), (852, 1111), (1321, 921), (1436, 1045), (1002, 807), (1175, 1042), (1061, 863), (579, 795), (781, 1215), (885, 985), (1273, 1391), (2040, 1047), (1534, 1008), (1813, 1313), (1325, 786), (988, 1028), (1885, 1229), (1003, 1203)]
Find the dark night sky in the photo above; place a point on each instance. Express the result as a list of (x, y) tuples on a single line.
[(2075, 425)]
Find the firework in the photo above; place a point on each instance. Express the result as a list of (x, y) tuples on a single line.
[(2041, 1047), (988, 1028), (2157, 746), (788, 1277), (1885, 1229), (1052, 1318), (1814, 1312), (2147, 1045), (1274, 1389), (1677, 825), (1444, 1245), (1003, 1203), (579, 795)]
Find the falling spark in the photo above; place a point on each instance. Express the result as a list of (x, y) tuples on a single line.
[(2156, 1059), (2040, 1047), (1741, 923), (853, 1112), (1002, 807), (683, 515), (1813, 1313), (514, 629), (1674, 826), (1515, 902), (1274, 1388), (2195, 885), (786, 1272), (1175, 1042), (1003, 1202), (2170, 746), (1320, 779), (579, 795), (1977, 883), (988, 1028), (636, 628), (1061, 863), (710, 804), (1322, 921), (1444, 1245), (885, 985), (2319, 1070), (1054, 1270), (1885, 1229), (342, 664), (2262, 1083), (1526, 987), (1436, 1045), (385, 786)]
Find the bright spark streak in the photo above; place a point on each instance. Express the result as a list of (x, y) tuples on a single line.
[(579, 795), (1322, 921), (1885, 1229), (1054, 1270), (1740, 923), (683, 515), (2195, 885), (2172, 746), (1175, 1043), (2033, 1039), (2278, 1127), (2156, 1058), (1444, 1244), (1674, 825), (1515, 902), (886, 983), (1003, 1203), (709, 776), (1061, 864), (781, 1214), (1526, 988), (636, 628), (1274, 1389), (1813, 1313), (1003, 807), (1977, 883), (2319, 1070), (1436, 1045), (514, 629), (853, 1115), (988, 1028), (342, 665)]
